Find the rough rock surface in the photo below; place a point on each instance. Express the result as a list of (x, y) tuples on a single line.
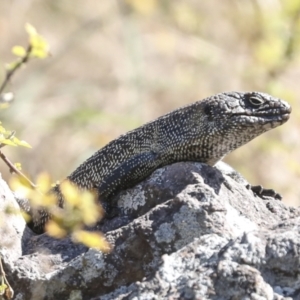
[(189, 231)]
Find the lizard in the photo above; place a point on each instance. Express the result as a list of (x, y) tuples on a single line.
[(204, 131)]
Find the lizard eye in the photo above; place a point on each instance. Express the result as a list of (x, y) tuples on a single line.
[(255, 101)]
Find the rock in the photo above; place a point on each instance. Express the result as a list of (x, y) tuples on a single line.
[(12, 223), (189, 231)]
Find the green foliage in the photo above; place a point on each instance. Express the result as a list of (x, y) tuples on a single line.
[(3, 287), (81, 209), (9, 138), (19, 51), (37, 48)]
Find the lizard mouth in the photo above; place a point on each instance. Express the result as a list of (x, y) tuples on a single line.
[(281, 115), (262, 121), (283, 112)]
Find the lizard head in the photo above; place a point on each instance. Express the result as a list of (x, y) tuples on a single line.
[(232, 119)]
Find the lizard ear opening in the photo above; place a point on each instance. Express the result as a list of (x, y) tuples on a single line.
[(207, 110)]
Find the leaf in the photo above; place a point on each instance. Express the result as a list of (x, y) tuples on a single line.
[(30, 29), (39, 45), (49, 201), (18, 166), (3, 287), (19, 51), (90, 210), (43, 182), (94, 240), (21, 143), (70, 192), (38, 42), (38, 196), (20, 185), (39, 53), (26, 217), (8, 142), (55, 230), (2, 129)]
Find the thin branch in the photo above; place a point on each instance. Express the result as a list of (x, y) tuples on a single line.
[(10, 73), (2, 273), (13, 169), (8, 138)]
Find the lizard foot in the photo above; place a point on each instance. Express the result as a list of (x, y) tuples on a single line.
[(261, 192)]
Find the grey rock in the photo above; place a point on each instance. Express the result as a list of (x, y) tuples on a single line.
[(189, 231), (12, 223)]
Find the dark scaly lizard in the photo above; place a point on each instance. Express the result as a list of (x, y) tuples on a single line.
[(204, 131)]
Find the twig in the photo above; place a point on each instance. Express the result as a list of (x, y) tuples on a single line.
[(13, 169), (10, 73), (8, 138), (10, 292)]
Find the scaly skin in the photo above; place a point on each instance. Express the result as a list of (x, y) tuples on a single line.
[(204, 131)]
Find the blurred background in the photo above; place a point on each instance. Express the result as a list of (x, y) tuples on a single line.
[(118, 64)]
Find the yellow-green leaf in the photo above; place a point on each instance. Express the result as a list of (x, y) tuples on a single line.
[(71, 193), (25, 216), (19, 51), (91, 211), (39, 42), (8, 142), (21, 143), (39, 45), (2, 129), (3, 287), (30, 29), (55, 230), (18, 166), (39, 53), (43, 182)]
